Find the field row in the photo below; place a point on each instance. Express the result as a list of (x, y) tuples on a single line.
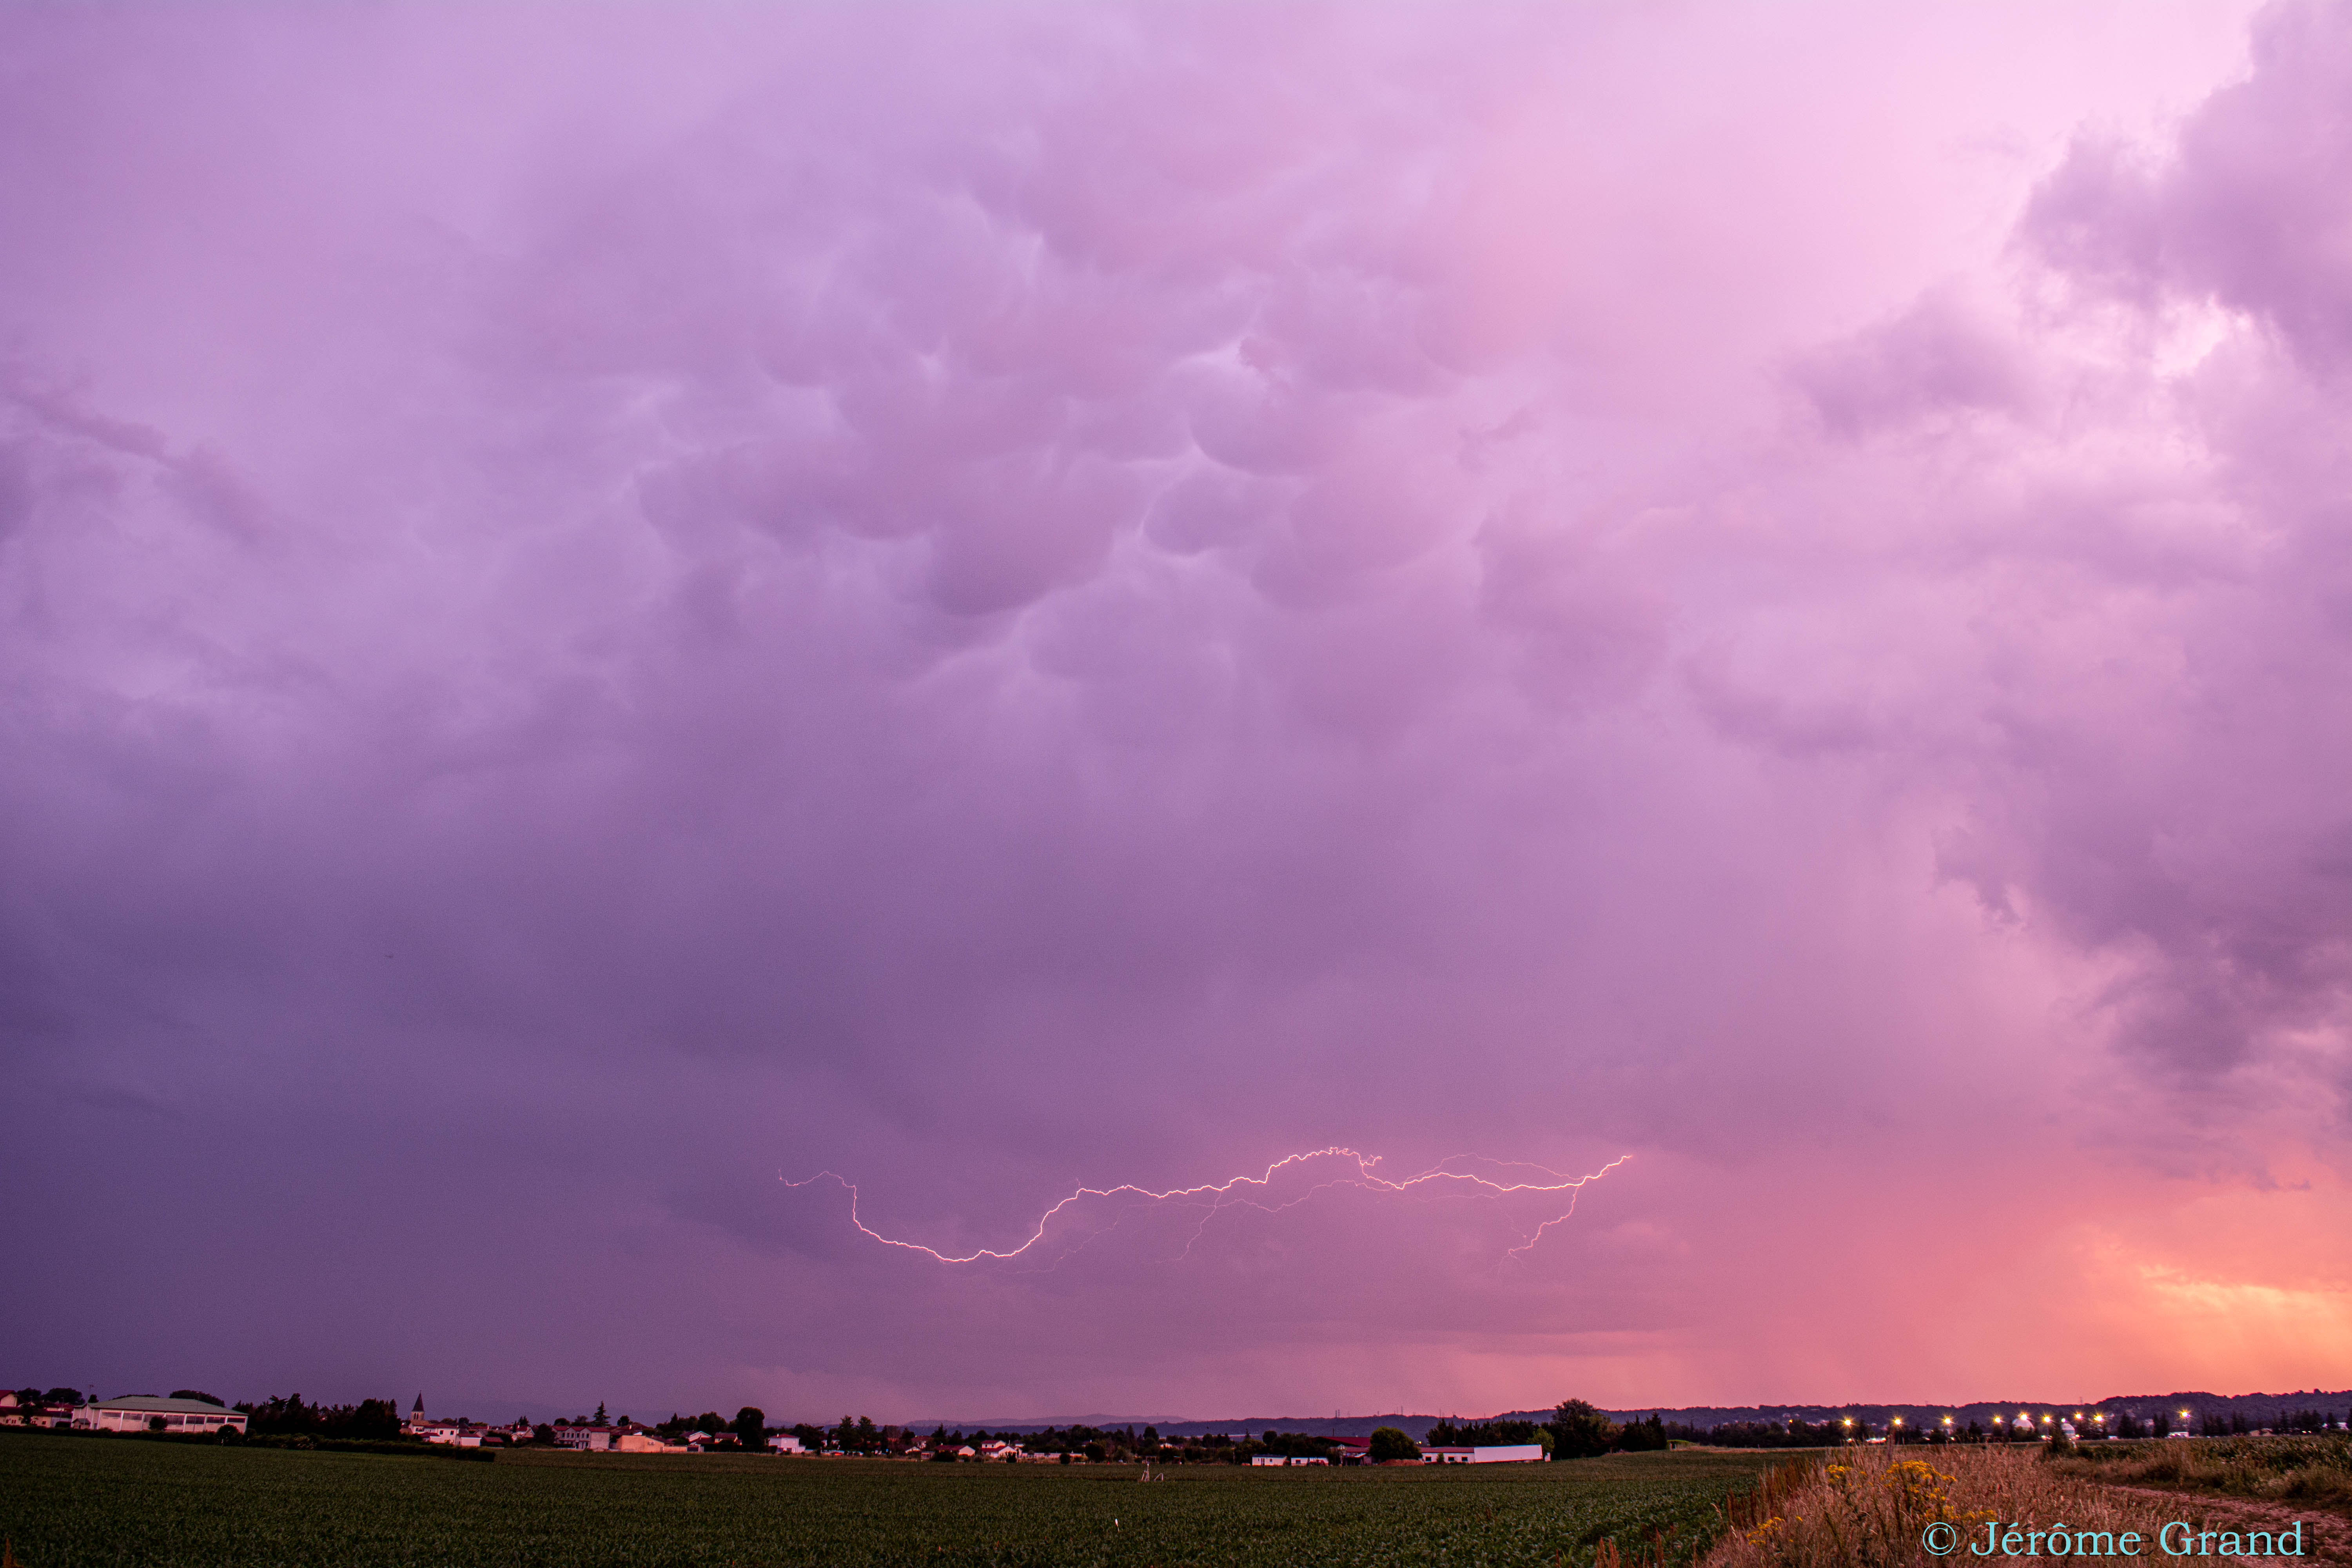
[(82, 1503)]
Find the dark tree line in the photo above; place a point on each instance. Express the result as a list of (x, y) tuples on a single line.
[(1580, 1432), (1789, 1434), (1482, 1434), (370, 1419), (750, 1427), (2215, 1425), (60, 1396)]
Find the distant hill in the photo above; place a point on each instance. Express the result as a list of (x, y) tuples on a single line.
[(2259, 1409)]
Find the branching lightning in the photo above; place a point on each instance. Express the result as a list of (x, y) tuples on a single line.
[(1253, 1192)]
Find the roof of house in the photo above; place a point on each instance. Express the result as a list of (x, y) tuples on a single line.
[(147, 1403)]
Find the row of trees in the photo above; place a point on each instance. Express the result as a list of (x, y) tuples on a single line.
[(1486, 1434), (1799, 1434), (1580, 1432), (2216, 1424), (1100, 1443), (749, 1428), (370, 1419), (1576, 1431)]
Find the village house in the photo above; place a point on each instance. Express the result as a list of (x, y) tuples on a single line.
[(459, 1432), (16, 1412), (465, 1434)]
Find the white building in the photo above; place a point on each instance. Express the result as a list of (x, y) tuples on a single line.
[(141, 1413), (785, 1443), (1507, 1454)]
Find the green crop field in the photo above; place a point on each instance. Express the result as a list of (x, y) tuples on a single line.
[(78, 1502)]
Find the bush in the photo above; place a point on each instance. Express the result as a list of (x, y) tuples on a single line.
[(1643, 1437), (1389, 1443)]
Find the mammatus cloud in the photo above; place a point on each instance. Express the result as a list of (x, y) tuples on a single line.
[(1015, 604)]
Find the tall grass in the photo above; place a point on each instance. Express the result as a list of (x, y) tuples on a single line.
[(2313, 1469), (1868, 1507)]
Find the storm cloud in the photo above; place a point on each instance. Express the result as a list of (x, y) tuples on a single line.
[(601, 608)]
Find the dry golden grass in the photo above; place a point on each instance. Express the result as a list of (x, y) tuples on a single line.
[(1868, 1507), (2314, 1469)]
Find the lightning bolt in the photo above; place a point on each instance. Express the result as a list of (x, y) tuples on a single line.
[(1250, 1192)]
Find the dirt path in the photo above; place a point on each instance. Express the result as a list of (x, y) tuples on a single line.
[(2327, 1537)]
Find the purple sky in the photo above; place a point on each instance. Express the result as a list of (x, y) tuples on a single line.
[(602, 609)]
